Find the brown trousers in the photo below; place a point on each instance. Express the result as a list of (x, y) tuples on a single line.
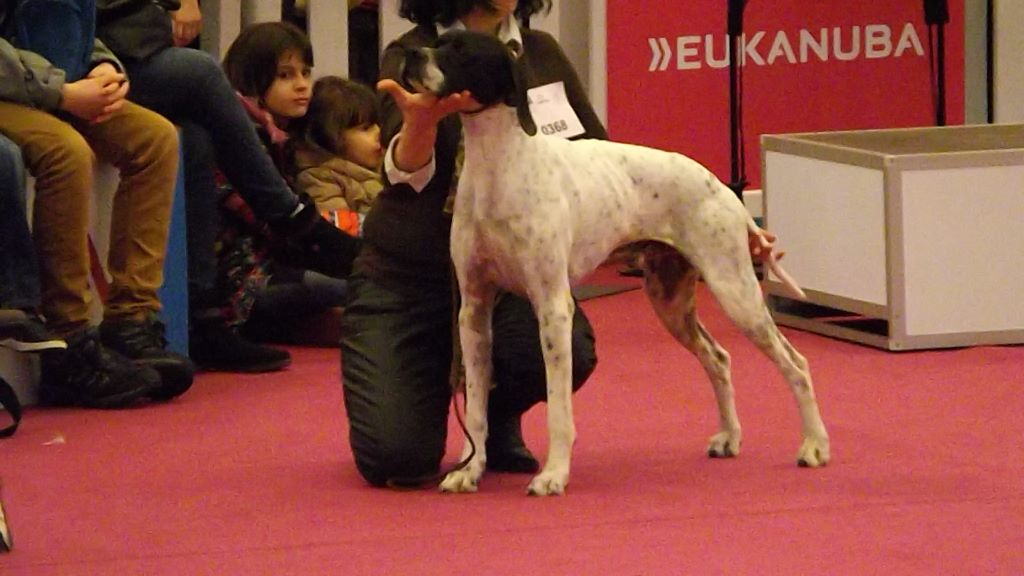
[(60, 153)]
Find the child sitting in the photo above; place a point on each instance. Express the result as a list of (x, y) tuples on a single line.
[(338, 153), (269, 65)]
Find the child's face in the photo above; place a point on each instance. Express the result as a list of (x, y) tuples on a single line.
[(288, 96), (362, 145)]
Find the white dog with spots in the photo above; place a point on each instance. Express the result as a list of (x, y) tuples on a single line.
[(533, 214)]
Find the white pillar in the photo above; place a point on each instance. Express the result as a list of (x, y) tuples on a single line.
[(222, 20), (327, 21), (254, 11), (1009, 74), (391, 24), (598, 59)]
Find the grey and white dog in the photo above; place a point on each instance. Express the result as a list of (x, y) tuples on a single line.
[(534, 213)]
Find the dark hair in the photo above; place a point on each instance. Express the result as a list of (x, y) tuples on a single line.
[(251, 61), (336, 105), (445, 12)]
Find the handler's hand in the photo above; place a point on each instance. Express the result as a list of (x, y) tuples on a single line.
[(762, 243), (423, 109), (420, 116)]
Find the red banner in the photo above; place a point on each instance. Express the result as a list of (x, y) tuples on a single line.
[(807, 66)]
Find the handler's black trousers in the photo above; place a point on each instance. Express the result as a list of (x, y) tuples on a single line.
[(396, 353)]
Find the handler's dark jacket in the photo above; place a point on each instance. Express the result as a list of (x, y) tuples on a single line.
[(407, 232)]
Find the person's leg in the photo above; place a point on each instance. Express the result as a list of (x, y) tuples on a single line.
[(188, 86), (395, 360), (143, 146), (520, 377), (62, 163), (20, 294), (297, 293), (86, 373), (201, 212), (19, 271)]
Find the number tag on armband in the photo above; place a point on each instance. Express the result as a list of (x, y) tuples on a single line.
[(551, 111)]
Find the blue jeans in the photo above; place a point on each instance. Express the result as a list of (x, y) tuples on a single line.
[(19, 270), (189, 88)]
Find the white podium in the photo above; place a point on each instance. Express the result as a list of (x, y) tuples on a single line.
[(903, 239)]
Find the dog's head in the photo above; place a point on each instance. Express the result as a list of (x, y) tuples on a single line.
[(480, 63)]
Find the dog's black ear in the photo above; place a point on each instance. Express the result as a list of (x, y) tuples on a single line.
[(519, 99)]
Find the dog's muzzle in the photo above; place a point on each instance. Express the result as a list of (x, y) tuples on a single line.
[(420, 72)]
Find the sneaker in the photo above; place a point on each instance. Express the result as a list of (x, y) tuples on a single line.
[(217, 347), (89, 375), (143, 342), (26, 333)]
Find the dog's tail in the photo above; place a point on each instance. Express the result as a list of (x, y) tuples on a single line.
[(764, 247)]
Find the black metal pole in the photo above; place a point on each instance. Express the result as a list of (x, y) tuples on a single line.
[(735, 32), (940, 105), (936, 13)]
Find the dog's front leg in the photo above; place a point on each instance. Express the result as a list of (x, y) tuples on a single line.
[(555, 318), (475, 335)]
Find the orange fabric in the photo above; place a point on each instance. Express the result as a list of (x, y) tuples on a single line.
[(346, 220)]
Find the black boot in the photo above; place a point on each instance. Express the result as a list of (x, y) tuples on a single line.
[(143, 342), (216, 346), (309, 241), (506, 451), (89, 375)]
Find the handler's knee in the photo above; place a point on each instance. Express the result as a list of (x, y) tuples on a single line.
[(383, 461)]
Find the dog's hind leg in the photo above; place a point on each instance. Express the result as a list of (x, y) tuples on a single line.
[(670, 283), (740, 296), (476, 337), (554, 314)]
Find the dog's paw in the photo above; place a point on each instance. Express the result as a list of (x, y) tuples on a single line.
[(813, 453), (461, 481), (725, 444), (548, 484)]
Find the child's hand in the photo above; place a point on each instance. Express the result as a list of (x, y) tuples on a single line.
[(187, 22), (96, 97), (107, 74)]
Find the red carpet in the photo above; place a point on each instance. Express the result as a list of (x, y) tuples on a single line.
[(251, 475)]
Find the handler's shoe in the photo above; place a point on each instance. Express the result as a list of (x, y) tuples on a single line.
[(506, 451), (143, 342)]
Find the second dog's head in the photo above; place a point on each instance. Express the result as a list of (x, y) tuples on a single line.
[(480, 63)]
